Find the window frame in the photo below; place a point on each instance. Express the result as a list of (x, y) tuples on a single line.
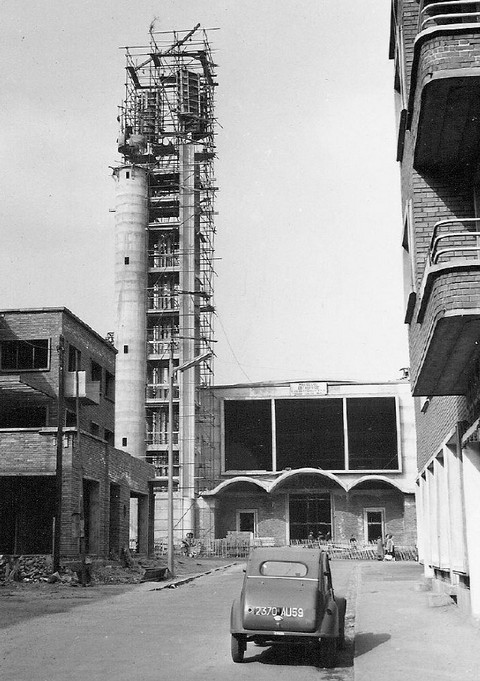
[(27, 342)]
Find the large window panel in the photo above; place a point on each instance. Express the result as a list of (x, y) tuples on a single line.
[(248, 435), (372, 433), (309, 432), (24, 355)]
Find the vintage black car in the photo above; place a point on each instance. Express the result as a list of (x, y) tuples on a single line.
[(287, 598)]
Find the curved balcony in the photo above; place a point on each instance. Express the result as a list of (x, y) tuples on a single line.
[(449, 13), (448, 334), (444, 106)]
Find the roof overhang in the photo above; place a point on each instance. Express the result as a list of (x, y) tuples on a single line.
[(18, 386)]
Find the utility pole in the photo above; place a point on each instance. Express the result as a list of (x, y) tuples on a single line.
[(171, 375), (171, 562), (57, 532), (83, 573)]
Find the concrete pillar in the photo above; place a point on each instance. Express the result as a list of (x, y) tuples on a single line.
[(131, 221), (427, 526), (207, 507), (442, 513), (471, 483), (453, 462), (142, 509)]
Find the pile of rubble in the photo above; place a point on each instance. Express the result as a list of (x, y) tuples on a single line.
[(25, 568)]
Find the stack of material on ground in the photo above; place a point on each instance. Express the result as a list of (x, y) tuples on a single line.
[(25, 568)]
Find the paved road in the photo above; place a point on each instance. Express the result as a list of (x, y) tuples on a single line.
[(151, 635)]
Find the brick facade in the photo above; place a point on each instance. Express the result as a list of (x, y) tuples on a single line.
[(439, 181), (98, 481)]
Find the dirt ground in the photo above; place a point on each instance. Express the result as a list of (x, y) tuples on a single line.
[(20, 600)]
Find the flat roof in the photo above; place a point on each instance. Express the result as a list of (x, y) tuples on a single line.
[(62, 310)]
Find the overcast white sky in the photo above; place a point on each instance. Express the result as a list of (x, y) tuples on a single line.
[(309, 228)]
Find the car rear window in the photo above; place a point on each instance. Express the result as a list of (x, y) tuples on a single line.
[(283, 568)]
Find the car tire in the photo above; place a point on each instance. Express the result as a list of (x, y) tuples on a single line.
[(342, 608), (327, 654), (238, 647)]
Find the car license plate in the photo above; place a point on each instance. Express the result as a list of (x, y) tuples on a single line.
[(281, 611)]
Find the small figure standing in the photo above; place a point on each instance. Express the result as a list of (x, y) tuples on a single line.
[(188, 544), (380, 549), (390, 547), (310, 536)]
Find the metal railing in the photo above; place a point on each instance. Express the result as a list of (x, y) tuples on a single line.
[(162, 260), (161, 347), (158, 391), (356, 550), (158, 302), (160, 438), (240, 548), (454, 239), (455, 12)]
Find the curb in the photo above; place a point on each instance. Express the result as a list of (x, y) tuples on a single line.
[(189, 578)]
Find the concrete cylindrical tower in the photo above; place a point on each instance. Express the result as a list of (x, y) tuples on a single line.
[(131, 221)]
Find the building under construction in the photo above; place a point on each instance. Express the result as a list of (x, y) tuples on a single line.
[(164, 227)]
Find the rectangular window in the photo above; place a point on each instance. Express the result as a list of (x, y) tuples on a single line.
[(309, 432), (372, 433), (109, 436), (25, 355), (109, 385), (23, 416), (408, 263), (95, 429), (73, 352), (96, 373), (248, 435)]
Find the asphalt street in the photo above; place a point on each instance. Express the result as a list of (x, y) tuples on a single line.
[(156, 635)]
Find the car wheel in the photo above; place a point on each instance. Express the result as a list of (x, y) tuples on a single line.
[(327, 654), (342, 607), (238, 647)]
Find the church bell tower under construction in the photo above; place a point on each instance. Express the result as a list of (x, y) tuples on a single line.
[(164, 233)]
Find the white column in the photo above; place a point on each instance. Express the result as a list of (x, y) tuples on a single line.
[(471, 482), (131, 220)]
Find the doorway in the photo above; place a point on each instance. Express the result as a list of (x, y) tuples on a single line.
[(310, 513), (247, 520), (374, 522)]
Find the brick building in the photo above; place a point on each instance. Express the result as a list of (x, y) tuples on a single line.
[(436, 48), (41, 351), (328, 458)]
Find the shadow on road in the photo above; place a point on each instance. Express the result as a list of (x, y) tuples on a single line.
[(295, 656), (368, 641)]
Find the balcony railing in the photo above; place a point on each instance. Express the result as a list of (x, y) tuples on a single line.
[(160, 438), (162, 260), (455, 12), (159, 302), (161, 347), (454, 240), (157, 391)]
